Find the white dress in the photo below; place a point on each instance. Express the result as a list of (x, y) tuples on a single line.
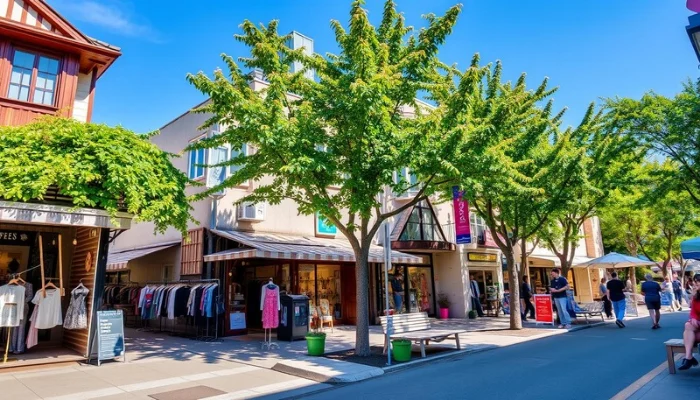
[(11, 305), (49, 309)]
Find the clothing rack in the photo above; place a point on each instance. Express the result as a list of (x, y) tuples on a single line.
[(204, 335)]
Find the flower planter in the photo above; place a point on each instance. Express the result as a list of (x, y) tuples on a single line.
[(472, 314), (401, 350), (316, 344), (444, 313)]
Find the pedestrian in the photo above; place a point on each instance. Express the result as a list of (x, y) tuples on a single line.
[(397, 289), (475, 294), (667, 288), (678, 291), (617, 297), (691, 334), (526, 297), (607, 305), (558, 288), (652, 297)]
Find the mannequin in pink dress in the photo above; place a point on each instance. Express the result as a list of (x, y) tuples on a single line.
[(270, 305)]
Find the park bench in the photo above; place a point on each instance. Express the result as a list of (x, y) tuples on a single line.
[(589, 310), (416, 328), (673, 347)]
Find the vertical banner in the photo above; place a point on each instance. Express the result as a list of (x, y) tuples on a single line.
[(461, 209)]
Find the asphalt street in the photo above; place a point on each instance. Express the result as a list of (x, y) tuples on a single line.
[(589, 364)]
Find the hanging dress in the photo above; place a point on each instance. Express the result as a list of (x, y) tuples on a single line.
[(270, 307), (76, 315), (17, 343)]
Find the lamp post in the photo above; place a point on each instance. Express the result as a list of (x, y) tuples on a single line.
[(387, 265), (693, 30)]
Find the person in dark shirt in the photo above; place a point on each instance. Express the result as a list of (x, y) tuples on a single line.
[(397, 289), (558, 287), (616, 293), (526, 296), (652, 297)]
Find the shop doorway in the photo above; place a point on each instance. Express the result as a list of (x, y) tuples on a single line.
[(417, 288)]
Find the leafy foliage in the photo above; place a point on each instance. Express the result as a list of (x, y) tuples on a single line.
[(350, 129), (97, 165)]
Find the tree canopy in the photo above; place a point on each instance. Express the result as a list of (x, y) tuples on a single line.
[(334, 143), (97, 166)]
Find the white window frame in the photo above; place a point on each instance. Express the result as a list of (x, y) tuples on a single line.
[(405, 174), (193, 175)]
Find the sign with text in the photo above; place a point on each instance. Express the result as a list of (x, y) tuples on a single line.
[(110, 335), (483, 257), (237, 321), (16, 238), (543, 309), (324, 227), (461, 209)]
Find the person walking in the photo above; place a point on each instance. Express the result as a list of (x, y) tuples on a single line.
[(397, 289), (526, 297), (667, 288), (691, 334), (652, 297), (607, 305), (677, 291), (558, 288), (475, 294), (617, 297)]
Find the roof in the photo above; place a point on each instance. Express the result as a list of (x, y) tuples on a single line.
[(119, 260), (289, 247)]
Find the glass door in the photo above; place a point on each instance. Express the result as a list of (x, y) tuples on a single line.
[(421, 297)]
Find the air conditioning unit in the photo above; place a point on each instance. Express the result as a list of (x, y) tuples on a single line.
[(251, 212)]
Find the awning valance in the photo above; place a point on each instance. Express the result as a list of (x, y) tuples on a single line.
[(48, 214), (119, 260), (542, 260), (287, 247)]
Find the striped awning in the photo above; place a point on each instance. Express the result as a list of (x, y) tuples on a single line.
[(119, 260), (270, 245)]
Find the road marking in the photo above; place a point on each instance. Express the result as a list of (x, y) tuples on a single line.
[(262, 390), (637, 338), (627, 392)]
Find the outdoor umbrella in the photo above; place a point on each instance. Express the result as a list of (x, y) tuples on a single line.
[(690, 249), (615, 260)]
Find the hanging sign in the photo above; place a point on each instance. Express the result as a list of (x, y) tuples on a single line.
[(461, 210), (543, 309), (110, 335)]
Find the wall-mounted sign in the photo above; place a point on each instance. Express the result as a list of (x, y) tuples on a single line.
[(482, 257), (16, 238), (88, 261), (324, 227), (462, 225)]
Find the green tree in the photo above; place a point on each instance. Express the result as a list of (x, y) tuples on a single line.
[(607, 163), (344, 130), (97, 166), (515, 166), (668, 126)]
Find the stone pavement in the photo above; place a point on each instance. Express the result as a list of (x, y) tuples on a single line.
[(659, 384)]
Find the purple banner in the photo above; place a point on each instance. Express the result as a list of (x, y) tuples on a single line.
[(693, 5), (463, 233)]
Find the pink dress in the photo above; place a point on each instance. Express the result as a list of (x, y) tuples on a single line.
[(270, 307)]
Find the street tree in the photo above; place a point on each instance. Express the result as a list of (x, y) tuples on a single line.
[(332, 144), (96, 165), (607, 163), (667, 126), (514, 165)]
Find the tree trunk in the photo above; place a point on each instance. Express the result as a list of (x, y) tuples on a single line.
[(516, 322), (633, 278), (362, 283), (523, 260)]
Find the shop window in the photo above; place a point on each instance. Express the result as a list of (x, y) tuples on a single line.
[(33, 78), (422, 225)]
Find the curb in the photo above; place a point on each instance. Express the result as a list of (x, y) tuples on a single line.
[(321, 378), (449, 354)]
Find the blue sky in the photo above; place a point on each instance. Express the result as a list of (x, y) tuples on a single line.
[(590, 49)]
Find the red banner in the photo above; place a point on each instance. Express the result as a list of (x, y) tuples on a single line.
[(543, 309)]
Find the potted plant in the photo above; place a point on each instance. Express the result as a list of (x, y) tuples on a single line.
[(444, 304), (315, 340), (401, 350), (472, 314)]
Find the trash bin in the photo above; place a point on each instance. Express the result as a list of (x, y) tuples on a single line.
[(294, 317)]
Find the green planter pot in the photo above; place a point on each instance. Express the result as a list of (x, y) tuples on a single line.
[(316, 344), (401, 349)]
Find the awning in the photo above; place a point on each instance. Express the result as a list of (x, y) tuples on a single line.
[(542, 260), (287, 247), (47, 214), (118, 260)]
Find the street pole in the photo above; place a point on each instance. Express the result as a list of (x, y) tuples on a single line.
[(387, 265)]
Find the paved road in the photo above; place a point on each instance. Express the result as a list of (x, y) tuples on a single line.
[(589, 364)]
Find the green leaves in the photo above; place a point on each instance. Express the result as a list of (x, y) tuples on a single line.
[(98, 166)]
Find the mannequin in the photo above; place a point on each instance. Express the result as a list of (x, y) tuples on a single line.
[(270, 307)]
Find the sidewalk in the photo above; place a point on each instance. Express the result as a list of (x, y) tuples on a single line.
[(659, 384), (167, 368)]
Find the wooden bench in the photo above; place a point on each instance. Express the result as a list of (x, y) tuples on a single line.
[(673, 347), (590, 310), (416, 328)]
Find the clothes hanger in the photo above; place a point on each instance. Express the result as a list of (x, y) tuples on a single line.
[(16, 281)]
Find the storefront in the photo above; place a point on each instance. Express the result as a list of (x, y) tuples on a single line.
[(322, 269), (417, 287), (485, 268), (44, 256)]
